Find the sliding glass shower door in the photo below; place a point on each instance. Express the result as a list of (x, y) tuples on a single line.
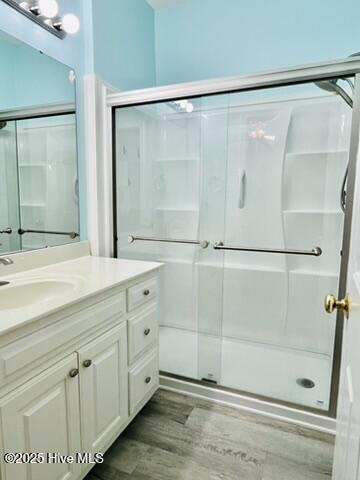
[(38, 182), (239, 195), (158, 188)]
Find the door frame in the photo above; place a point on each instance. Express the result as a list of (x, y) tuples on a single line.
[(106, 170), (353, 163)]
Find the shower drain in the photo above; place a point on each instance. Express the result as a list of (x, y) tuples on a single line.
[(305, 382)]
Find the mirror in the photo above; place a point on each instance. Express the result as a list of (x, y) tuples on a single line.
[(39, 201)]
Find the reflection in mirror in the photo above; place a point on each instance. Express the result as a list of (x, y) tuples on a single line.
[(38, 154)]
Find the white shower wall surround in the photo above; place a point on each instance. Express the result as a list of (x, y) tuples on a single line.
[(258, 175), (47, 161), (38, 166)]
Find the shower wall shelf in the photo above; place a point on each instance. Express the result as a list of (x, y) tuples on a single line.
[(175, 160), (315, 212), (32, 165), (319, 273), (305, 153), (178, 209), (32, 205), (220, 264)]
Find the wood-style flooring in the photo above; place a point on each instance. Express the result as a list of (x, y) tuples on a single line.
[(176, 437)]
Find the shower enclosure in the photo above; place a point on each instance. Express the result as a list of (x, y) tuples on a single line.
[(238, 192), (38, 181)]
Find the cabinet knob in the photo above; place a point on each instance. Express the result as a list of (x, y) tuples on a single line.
[(147, 331), (73, 373), (146, 292), (87, 363), (147, 379)]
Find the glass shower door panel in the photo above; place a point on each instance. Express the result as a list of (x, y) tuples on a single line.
[(9, 193), (214, 142), (287, 155), (48, 179), (158, 152)]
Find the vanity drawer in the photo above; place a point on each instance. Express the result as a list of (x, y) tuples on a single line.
[(142, 332), (32, 350), (141, 293), (143, 380)]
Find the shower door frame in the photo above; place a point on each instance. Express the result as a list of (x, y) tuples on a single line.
[(263, 80)]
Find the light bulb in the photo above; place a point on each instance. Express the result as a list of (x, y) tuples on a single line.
[(189, 107), (48, 8), (70, 23)]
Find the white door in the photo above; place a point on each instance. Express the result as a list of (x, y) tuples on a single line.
[(103, 386), (347, 448), (43, 416)]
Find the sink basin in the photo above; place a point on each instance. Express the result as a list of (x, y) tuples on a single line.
[(25, 293)]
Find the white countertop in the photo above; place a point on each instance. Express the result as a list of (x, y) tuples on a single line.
[(89, 276)]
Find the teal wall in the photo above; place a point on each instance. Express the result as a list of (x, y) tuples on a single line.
[(29, 78), (202, 39), (124, 43)]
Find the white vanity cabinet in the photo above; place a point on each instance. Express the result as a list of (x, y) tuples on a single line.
[(72, 382), (43, 416), (103, 388)]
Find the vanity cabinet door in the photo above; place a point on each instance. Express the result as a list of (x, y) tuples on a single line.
[(103, 389), (43, 416)]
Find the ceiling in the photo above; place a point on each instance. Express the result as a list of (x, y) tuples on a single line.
[(164, 3)]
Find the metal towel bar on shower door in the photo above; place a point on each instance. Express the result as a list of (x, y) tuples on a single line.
[(72, 235), (315, 252), (201, 243)]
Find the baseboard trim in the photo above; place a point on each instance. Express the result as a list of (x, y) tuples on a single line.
[(299, 417)]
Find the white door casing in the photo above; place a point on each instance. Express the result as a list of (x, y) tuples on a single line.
[(347, 448)]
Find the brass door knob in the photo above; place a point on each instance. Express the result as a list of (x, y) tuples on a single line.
[(331, 304)]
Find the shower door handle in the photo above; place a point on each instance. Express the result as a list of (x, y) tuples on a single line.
[(7, 230), (242, 189), (315, 252)]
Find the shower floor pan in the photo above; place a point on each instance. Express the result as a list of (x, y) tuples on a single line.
[(294, 376)]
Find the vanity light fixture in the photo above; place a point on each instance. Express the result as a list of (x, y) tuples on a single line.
[(45, 14)]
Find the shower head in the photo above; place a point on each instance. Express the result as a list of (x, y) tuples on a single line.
[(327, 85), (2, 124), (334, 87)]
